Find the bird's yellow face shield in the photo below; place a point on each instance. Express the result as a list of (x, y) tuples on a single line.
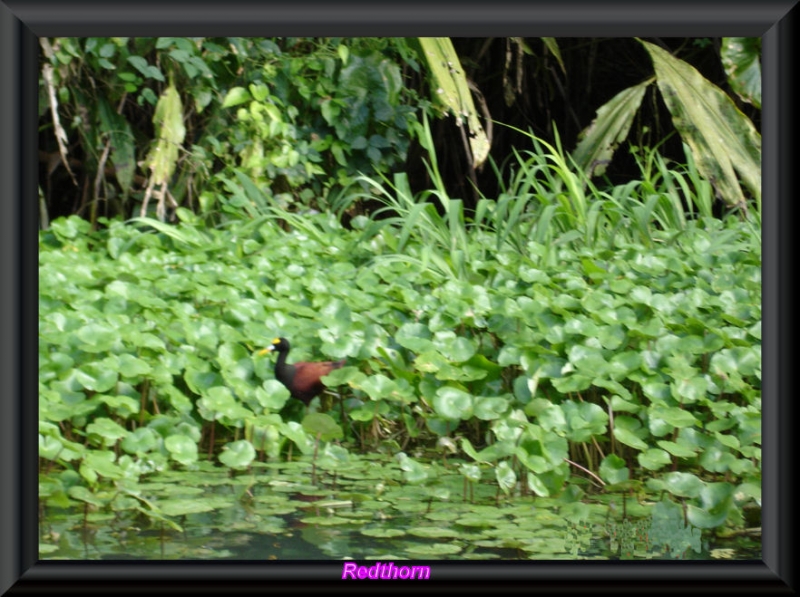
[(269, 348)]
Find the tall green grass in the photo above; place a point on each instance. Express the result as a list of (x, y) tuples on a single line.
[(544, 201)]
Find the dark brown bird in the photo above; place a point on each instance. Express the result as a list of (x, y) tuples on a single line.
[(302, 379)]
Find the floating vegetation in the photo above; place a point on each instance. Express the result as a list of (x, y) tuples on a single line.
[(219, 522)]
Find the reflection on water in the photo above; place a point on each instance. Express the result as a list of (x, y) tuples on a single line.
[(239, 534)]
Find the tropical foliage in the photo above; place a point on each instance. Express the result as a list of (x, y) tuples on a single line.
[(564, 338)]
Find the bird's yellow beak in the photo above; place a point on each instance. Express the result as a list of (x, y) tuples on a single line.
[(269, 348)]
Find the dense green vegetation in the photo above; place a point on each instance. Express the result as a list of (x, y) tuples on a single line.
[(635, 358), (564, 339), (138, 126)]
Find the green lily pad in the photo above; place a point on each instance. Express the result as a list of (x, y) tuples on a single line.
[(182, 448), (433, 532), (382, 533), (238, 454), (436, 549), (452, 403)]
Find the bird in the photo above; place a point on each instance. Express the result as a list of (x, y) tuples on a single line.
[(302, 379)]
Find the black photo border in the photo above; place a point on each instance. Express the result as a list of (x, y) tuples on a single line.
[(23, 21)]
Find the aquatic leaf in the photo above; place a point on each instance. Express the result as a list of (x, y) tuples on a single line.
[(716, 501), (489, 409), (585, 420), (506, 477), (182, 449), (85, 495), (654, 459), (323, 425), (471, 471), (414, 336), (237, 455), (681, 450), (717, 458), (130, 366), (454, 348), (100, 463), (382, 533), (576, 512), (378, 386), (182, 507), (536, 485), (628, 430), (220, 401), (413, 472), (96, 337), (683, 484), (613, 469), (435, 549), (453, 403), (675, 417), (109, 430), (140, 441), (434, 533)]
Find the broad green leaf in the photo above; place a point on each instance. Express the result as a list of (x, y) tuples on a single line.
[(182, 449), (613, 469), (272, 394), (609, 130), (654, 459), (627, 430), (683, 484), (489, 409), (238, 454), (506, 477), (140, 441), (585, 420), (107, 429), (97, 337), (587, 359), (414, 336), (183, 507), (472, 472), (676, 417), (723, 141), (121, 139), (452, 403), (97, 377), (49, 447), (236, 96), (453, 347), (324, 426), (469, 450), (83, 494), (741, 58), (170, 133), (131, 366), (629, 438), (536, 485), (100, 463), (378, 386), (716, 501), (552, 418), (413, 471), (450, 88), (680, 450)]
